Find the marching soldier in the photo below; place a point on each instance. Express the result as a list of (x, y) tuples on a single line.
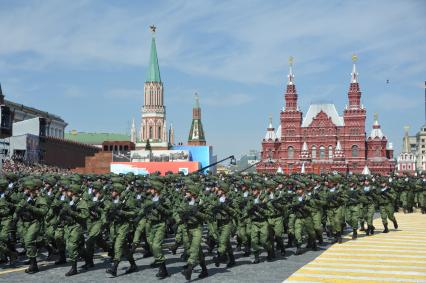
[(31, 211), (120, 212)]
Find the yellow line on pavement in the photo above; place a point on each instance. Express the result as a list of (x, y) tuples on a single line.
[(397, 256), (12, 270), (296, 278), (372, 263), (400, 251), (368, 265), (373, 275)]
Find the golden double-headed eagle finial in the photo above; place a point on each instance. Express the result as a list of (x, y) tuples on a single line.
[(354, 58), (290, 60)]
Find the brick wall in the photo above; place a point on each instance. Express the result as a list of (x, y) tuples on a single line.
[(63, 153)]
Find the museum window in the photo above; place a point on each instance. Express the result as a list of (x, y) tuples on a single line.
[(355, 151), (314, 152), (150, 132), (290, 152), (159, 132), (322, 152), (330, 152)]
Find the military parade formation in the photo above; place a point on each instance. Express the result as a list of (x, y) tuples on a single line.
[(72, 216)]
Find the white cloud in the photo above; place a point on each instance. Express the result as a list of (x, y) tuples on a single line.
[(236, 41)]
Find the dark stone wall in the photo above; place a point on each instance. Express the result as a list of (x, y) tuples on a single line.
[(64, 153)]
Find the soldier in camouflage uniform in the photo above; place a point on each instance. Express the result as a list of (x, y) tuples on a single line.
[(31, 210), (120, 213), (385, 199), (258, 212), (192, 217), (157, 211), (7, 208), (224, 215)]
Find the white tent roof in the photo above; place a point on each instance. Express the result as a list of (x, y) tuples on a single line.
[(366, 171), (328, 109), (270, 134), (278, 132), (376, 131)]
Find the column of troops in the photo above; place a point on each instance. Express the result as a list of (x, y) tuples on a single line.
[(72, 217)]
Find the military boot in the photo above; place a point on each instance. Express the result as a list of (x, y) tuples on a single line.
[(73, 270), (335, 239), (290, 241), (280, 246), (162, 271), (247, 250), (339, 237), (354, 234), (298, 249), (62, 259), (386, 230), (33, 268), (320, 238), (187, 272), (204, 272), (362, 227), (372, 230), (271, 255), (133, 267), (218, 259), (113, 268), (314, 245), (231, 258), (395, 224), (328, 231)]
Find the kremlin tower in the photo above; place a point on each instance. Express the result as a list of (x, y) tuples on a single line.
[(153, 125), (196, 133)]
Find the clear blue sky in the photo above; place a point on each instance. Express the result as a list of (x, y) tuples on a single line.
[(87, 60)]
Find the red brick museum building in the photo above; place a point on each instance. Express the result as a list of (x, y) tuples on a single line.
[(324, 141)]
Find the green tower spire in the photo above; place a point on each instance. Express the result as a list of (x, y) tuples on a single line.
[(153, 74)]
